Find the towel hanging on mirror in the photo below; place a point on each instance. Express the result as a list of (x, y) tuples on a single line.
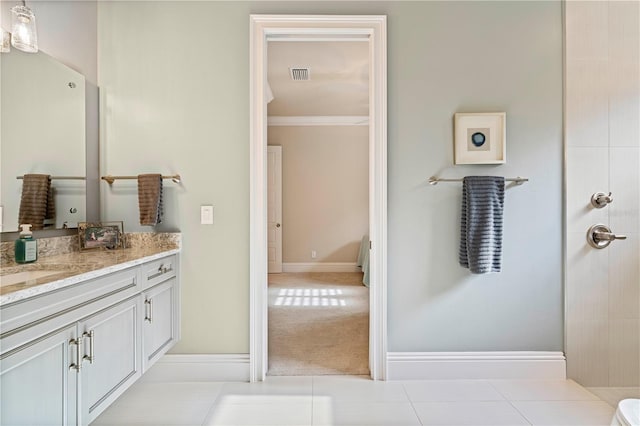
[(36, 202)]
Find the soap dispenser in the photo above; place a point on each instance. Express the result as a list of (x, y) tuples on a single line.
[(26, 249)]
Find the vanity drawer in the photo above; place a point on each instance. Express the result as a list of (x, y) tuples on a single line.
[(158, 271)]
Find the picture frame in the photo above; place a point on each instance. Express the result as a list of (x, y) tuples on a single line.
[(480, 138), (101, 235)]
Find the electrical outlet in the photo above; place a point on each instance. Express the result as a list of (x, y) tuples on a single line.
[(206, 215), (313, 254)]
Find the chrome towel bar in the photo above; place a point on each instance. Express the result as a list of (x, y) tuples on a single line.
[(110, 179), (61, 177), (433, 180)]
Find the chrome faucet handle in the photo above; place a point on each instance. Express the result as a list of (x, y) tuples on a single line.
[(607, 236), (600, 236), (600, 199)]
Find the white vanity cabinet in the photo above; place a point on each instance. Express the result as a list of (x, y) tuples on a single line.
[(110, 356), (161, 300), (38, 388), (160, 328), (90, 363), (66, 367)]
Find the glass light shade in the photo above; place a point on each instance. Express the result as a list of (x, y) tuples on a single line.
[(23, 29), (5, 43)]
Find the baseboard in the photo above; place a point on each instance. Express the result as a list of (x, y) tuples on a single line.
[(321, 267), (199, 368), (476, 365)]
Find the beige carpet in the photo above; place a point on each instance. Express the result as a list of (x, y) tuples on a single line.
[(318, 324)]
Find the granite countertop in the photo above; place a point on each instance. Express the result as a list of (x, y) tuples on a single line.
[(75, 267)]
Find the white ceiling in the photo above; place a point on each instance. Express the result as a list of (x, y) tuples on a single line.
[(339, 82)]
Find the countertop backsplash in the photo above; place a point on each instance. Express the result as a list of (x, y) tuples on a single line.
[(156, 239), (46, 247), (62, 245)]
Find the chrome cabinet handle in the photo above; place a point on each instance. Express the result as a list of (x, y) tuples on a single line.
[(148, 317), (91, 356), (78, 364), (163, 269), (278, 225), (600, 236)]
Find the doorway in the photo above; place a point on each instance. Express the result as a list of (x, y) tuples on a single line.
[(263, 28), (318, 206)]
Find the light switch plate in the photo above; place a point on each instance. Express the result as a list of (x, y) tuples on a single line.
[(206, 215)]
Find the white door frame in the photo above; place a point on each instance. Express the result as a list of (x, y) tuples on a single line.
[(374, 27)]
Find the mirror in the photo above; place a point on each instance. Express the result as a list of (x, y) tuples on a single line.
[(42, 131)]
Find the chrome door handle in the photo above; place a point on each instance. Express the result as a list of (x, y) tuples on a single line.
[(91, 356), (600, 236)]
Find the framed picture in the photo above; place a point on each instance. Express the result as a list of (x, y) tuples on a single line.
[(480, 138), (108, 235)]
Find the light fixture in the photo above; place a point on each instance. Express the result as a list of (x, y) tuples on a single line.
[(5, 43), (23, 29)]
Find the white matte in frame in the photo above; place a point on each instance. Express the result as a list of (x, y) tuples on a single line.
[(496, 150)]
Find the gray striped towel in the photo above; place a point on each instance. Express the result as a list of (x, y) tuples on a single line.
[(150, 199), (481, 223)]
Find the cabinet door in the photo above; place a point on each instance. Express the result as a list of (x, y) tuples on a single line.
[(111, 356), (37, 385), (160, 325)]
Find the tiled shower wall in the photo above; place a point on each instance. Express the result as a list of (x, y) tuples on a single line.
[(602, 155)]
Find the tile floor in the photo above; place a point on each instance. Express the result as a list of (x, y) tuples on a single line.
[(614, 395), (356, 400)]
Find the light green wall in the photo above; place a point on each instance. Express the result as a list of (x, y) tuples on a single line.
[(175, 98)]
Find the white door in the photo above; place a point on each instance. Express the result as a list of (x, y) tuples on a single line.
[(274, 208)]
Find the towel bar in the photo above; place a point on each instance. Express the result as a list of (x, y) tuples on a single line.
[(61, 177), (433, 180), (110, 179)]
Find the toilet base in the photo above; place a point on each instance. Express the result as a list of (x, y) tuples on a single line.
[(627, 413)]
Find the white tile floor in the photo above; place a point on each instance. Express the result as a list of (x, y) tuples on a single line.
[(352, 400), (614, 395)]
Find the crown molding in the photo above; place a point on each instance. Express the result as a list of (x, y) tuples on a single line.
[(318, 120)]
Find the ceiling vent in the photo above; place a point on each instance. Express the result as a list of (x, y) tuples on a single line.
[(300, 73)]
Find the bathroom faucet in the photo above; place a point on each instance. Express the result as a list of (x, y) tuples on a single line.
[(607, 236), (600, 236)]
